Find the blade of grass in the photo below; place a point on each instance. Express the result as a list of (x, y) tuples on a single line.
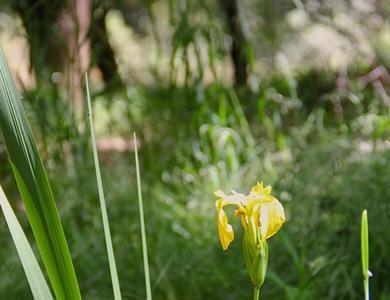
[(142, 221), (35, 278), (237, 107), (365, 255), (103, 209), (35, 189)]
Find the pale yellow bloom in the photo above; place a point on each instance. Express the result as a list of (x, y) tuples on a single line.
[(257, 210)]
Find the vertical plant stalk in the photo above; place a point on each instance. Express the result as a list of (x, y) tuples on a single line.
[(238, 110), (365, 255), (142, 221), (103, 209), (35, 190), (35, 278), (256, 293)]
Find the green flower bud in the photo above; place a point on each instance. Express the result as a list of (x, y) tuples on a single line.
[(256, 259)]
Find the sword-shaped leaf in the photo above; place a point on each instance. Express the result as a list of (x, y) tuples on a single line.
[(35, 189), (35, 278)]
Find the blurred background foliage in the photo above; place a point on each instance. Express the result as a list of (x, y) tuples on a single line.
[(221, 93)]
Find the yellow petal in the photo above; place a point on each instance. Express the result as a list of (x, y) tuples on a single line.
[(258, 195), (236, 198), (259, 188), (271, 218), (241, 212), (225, 230)]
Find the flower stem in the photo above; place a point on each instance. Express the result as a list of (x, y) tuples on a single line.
[(366, 289), (256, 293)]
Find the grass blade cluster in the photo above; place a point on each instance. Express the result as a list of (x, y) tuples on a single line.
[(35, 190), (142, 221), (106, 225), (35, 278)]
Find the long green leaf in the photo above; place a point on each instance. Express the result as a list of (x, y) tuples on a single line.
[(103, 209), (35, 278), (35, 190), (142, 221)]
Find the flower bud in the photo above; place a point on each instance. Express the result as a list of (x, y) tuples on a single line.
[(256, 259)]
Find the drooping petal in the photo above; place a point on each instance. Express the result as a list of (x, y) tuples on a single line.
[(225, 230), (271, 218)]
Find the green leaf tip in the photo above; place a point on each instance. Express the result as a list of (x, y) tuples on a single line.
[(103, 208), (142, 222)]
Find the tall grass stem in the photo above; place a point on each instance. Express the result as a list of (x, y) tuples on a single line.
[(237, 107), (142, 221), (365, 254), (106, 225)]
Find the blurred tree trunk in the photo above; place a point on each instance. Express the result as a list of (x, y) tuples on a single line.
[(40, 22), (238, 50), (59, 34), (103, 55), (75, 23)]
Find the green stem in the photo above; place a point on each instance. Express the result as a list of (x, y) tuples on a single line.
[(366, 289), (256, 293)]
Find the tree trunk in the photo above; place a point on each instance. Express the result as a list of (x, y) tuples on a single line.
[(39, 20), (240, 43), (103, 55)]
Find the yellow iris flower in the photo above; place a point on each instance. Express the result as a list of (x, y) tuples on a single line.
[(261, 214)]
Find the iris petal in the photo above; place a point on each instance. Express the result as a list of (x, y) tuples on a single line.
[(225, 230), (259, 188), (271, 218), (235, 198), (265, 211)]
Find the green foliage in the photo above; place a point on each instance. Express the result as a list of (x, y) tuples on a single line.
[(327, 198), (319, 142), (35, 189), (35, 277), (196, 139)]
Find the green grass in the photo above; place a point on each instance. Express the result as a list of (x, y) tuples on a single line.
[(196, 140)]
